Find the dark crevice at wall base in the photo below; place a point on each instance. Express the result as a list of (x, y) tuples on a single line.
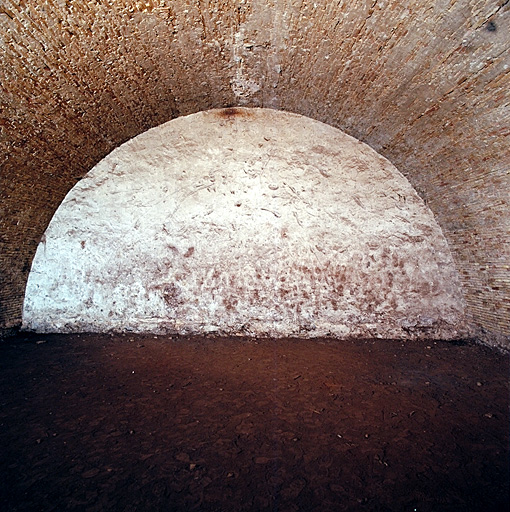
[(494, 340), (491, 340), (9, 332)]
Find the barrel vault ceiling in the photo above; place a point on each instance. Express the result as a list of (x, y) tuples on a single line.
[(425, 83)]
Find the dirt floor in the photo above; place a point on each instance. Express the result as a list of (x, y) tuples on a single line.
[(138, 423)]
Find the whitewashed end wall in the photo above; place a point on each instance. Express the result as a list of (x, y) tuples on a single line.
[(245, 221)]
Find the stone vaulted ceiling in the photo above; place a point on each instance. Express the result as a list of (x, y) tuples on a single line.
[(425, 83)]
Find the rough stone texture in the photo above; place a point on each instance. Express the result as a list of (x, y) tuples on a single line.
[(245, 221), (424, 83)]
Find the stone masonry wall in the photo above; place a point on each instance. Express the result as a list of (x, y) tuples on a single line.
[(424, 83)]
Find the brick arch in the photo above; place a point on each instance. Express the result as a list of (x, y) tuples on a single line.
[(425, 86)]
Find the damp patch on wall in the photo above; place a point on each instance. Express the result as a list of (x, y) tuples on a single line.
[(245, 221)]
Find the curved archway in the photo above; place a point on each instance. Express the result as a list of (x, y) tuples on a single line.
[(425, 86), (245, 221)]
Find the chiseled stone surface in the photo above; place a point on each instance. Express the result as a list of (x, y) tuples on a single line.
[(248, 221)]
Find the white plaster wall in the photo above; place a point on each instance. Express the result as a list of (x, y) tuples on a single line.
[(247, 221)]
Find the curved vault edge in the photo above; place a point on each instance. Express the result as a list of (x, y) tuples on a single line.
[(257, 222)]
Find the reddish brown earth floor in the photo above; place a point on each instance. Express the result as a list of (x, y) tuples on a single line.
[(137, 423)]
